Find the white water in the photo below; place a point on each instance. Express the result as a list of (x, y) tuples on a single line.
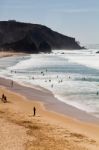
[(88, 58), (73, 76)]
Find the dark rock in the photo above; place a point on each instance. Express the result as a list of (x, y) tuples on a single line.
[(44, 45), (32, 38)]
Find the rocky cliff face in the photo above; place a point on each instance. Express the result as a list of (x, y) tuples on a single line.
[(32, 38)]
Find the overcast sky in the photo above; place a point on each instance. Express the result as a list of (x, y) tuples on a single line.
[(77, 18)]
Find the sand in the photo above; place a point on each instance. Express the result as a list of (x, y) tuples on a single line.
[(9, 53), (48, 130)]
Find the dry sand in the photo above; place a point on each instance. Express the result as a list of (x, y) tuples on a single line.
[(20, 130), (9, 54)]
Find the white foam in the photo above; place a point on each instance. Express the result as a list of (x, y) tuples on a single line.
[(91, 110), (87, 58)]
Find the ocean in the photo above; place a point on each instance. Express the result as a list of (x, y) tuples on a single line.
[(72, 75)]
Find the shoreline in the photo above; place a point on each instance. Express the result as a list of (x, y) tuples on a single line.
[(50, 102)]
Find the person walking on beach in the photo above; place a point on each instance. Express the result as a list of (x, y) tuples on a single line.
[(12, 83), (5, 99), (2, 98), (34, 111)]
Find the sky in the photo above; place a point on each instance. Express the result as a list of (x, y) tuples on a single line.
[(75, 18)]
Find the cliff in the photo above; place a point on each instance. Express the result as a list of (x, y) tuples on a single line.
[(32, 38)]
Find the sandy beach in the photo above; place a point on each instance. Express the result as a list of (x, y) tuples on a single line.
[(9, 54), (49, 129)]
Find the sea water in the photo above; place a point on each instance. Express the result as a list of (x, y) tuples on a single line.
[(72, 76)]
